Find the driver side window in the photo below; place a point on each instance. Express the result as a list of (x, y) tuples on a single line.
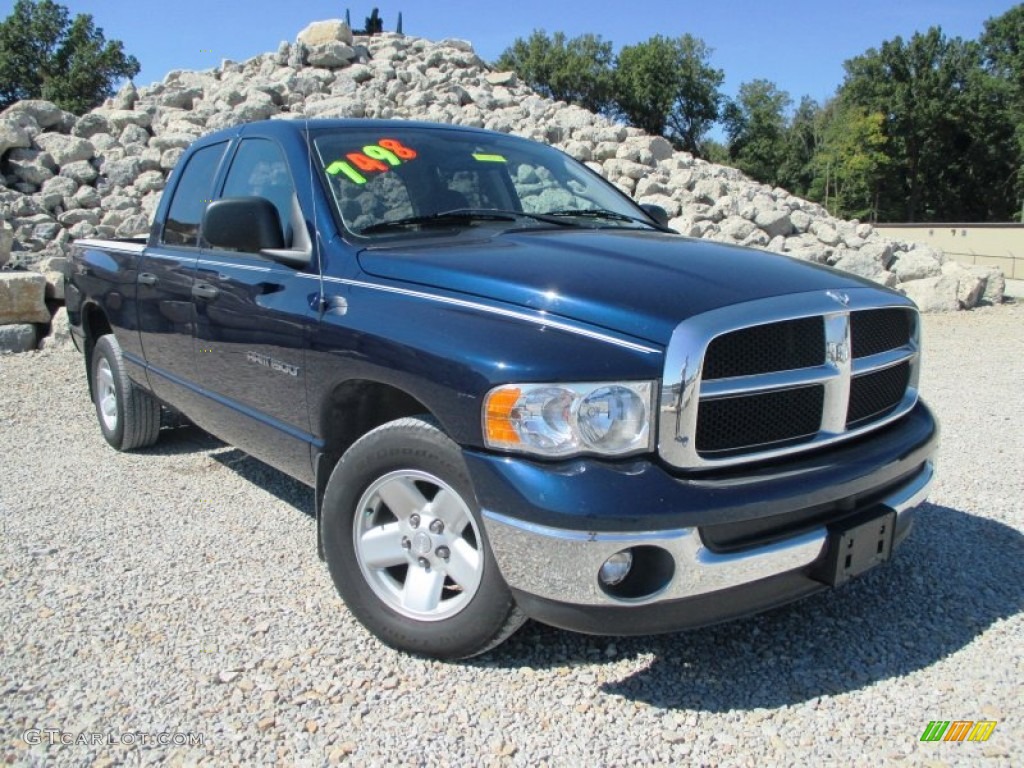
[(259, 169)]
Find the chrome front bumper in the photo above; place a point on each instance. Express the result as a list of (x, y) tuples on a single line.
[(562, 565)]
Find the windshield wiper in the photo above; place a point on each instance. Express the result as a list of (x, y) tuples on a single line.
[(457, 215), (441, 217), (603, 213)]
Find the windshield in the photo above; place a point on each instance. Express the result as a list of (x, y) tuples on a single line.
[(407, 180)]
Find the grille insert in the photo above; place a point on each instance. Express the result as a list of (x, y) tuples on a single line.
[(766, 349), (738, 424), (879, 330), (874, 395)]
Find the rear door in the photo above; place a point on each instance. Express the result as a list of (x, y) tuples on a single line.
[(253, 317), (165, 277)]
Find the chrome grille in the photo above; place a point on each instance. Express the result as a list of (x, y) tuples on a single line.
[(786, 374)]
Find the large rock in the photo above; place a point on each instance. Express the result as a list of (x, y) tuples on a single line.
[(60, 189), (825, 232), (59, 338), (81, 171), (86, 197), (916, 264), (329, 31), (970, 286), (126, 97), (880, 250), (934, 294), (46, 114), (859, 263), (12, 134), (171, 141), (90, 124), (17, 338), (65, 149), (737, 228), (800, 220), (502, 78), (22, 298), (119, 118), (122, 172), (995, 283), (330, 55), (133, 134), (774, 223), (32, 166)]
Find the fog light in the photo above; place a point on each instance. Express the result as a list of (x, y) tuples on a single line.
[(616, 568)]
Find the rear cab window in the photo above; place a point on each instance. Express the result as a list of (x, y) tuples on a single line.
[(192, 194)]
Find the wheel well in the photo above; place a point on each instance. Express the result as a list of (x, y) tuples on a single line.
[(94, 325), (353, 409), (356, 407)]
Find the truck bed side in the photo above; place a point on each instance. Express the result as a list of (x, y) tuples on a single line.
[(100, 296)]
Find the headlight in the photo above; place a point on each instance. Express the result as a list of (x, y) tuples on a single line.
[(607, 418)]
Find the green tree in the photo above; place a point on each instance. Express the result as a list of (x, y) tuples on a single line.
[(851, 161), (577, 70), (755, 123), (44, 53), (801, 142), (1002, 45), (666, 86), (949, 138), (716, 152)]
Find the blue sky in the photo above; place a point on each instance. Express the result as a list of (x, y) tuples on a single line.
[(800, 45)]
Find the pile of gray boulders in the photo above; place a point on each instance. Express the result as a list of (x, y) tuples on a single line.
[(64, 177)]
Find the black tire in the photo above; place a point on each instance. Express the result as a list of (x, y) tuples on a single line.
[(129, 416), (475, 610)]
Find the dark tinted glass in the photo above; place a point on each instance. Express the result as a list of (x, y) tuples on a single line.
[(260, 170), (191, 196)]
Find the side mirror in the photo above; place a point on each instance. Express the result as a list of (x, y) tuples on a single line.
[(656, 212), (249, 224)]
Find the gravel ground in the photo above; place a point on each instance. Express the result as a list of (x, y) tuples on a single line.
[(177, 591)]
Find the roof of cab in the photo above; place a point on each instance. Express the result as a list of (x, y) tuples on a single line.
[(298, 126)]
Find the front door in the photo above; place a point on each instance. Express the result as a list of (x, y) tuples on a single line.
[(253, 319)]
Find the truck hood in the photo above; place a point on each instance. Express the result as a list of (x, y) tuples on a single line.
[(635, 282)]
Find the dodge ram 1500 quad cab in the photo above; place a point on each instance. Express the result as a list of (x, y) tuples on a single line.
[(515, 391)]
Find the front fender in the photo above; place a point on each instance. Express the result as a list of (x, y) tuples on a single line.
[(448, 351)]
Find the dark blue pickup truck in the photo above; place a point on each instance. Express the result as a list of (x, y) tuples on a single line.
[(516, 392)]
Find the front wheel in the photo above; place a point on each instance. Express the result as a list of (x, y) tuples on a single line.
[(405, 546)]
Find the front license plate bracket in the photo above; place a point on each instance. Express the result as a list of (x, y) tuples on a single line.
[(858, 544)]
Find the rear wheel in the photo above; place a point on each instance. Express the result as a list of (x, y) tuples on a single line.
[(129, 416), (405, 546)]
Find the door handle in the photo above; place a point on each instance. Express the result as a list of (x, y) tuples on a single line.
[(264, 289), (147, 278), (204, 291)]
